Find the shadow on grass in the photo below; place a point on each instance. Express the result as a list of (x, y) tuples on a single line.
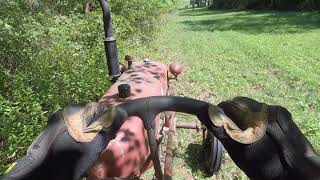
[(201, 11), (195, 159), (252, 22)]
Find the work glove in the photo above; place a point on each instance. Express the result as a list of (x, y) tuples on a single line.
[(264, 141), (55, 154)]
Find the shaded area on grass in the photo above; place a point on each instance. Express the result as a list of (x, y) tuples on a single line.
[(253, 22), (194, 158)]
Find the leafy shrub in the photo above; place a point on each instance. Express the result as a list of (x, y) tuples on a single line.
[(52, 55)]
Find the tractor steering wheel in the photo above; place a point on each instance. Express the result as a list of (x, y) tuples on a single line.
[(55, 154), (148, 108)]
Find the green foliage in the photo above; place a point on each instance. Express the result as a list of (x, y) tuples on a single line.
[(51, 55)]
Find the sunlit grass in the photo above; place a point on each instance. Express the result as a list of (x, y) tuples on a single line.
[(273, 57)]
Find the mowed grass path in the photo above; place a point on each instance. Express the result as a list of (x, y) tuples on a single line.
[(273, 57)]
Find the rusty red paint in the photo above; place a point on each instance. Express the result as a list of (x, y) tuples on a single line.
[(122, 68), (127, 154), (129, 58), (168, 164), (190, 125)]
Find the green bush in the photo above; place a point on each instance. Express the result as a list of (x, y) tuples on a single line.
[(52, 55)]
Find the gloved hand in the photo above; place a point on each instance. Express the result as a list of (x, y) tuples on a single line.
[(264, 141), (55, 155)]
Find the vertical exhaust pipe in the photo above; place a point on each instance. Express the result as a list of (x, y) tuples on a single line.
[(110, 43)]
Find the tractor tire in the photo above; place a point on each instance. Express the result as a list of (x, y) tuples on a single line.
[(213, 154)]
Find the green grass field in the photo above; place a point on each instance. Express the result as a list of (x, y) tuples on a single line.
[(273, 57)]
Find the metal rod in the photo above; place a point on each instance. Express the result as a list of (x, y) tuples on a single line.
[(168, 164), (154, 154), (110, 43), (107, 23), (190, 125)]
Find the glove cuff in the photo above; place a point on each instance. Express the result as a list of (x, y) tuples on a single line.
[(253, 128)]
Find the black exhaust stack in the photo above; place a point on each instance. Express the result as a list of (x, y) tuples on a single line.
[(110, 43)]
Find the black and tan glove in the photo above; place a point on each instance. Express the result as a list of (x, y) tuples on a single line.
[(66, 147), (264, 141)]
